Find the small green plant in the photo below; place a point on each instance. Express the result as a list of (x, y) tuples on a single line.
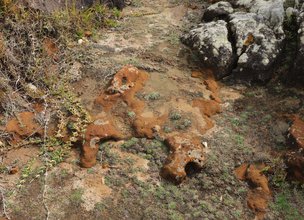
[(111, 23), (76, 196), (175, 116), (152, 96), (57, 156), (116, 13), (127, 144), (240, 140), (131, 114), (167, 129), (186, 123), (173, 38), (284, 206), (90, 171)]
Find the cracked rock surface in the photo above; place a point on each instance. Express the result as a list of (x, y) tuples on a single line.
[(219, 10), (210, 40), (257, 46), (253, 33), (299, 66)]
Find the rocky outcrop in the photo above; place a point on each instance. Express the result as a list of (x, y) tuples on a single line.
[(295, 158), (100, 130), (256, 38), (299, 64), (259, 194), (211, 42), (257, 46), (183, 138), (183, 152), (24, 126), (219, 10)]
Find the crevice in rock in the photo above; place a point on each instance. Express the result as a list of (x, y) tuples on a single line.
[(290, 50), (232, 40)]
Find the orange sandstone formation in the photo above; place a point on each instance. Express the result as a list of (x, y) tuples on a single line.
[(123, 88), (259, 196), (100, 130), (295, 158), (182, 152), (24, 126), (125, 84)]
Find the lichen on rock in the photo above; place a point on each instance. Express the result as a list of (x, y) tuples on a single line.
[(219, 10), (257, 46), (211, 42)]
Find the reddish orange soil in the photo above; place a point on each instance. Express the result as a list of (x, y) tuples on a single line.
[(207, 107), (241, 171), (212, 85)]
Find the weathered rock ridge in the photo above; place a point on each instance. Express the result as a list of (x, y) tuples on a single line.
[(245, 38)]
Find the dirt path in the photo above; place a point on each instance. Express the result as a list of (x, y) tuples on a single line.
[(125, 183)]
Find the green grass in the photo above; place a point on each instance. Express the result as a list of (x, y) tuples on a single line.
[(284, 206), (76, 196)]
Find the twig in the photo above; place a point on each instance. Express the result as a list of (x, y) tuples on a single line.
[(46, 122), (4, 203)]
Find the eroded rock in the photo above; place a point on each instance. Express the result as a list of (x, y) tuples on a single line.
[(250, 43), (296, 133), (23, 126), (257, 46), (183, 152), (295, 158), (125, 84), (299, 65), (100, 130), (259, 195), (219, 10), (186, 151), (211, 42)]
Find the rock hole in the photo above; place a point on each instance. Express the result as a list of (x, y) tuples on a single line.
[(124, 80), (192, 168)]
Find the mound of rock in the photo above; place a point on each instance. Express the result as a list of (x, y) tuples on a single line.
[(219, 10), (211, 42), (183, 152), (299, 65), (245, 41), (100, 130), (259, 194), (257, 46)]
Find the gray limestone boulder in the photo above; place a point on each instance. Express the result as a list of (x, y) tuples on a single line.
[(219, 10), (299, 62), (271, 11), (210, 41), (257, 46)]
